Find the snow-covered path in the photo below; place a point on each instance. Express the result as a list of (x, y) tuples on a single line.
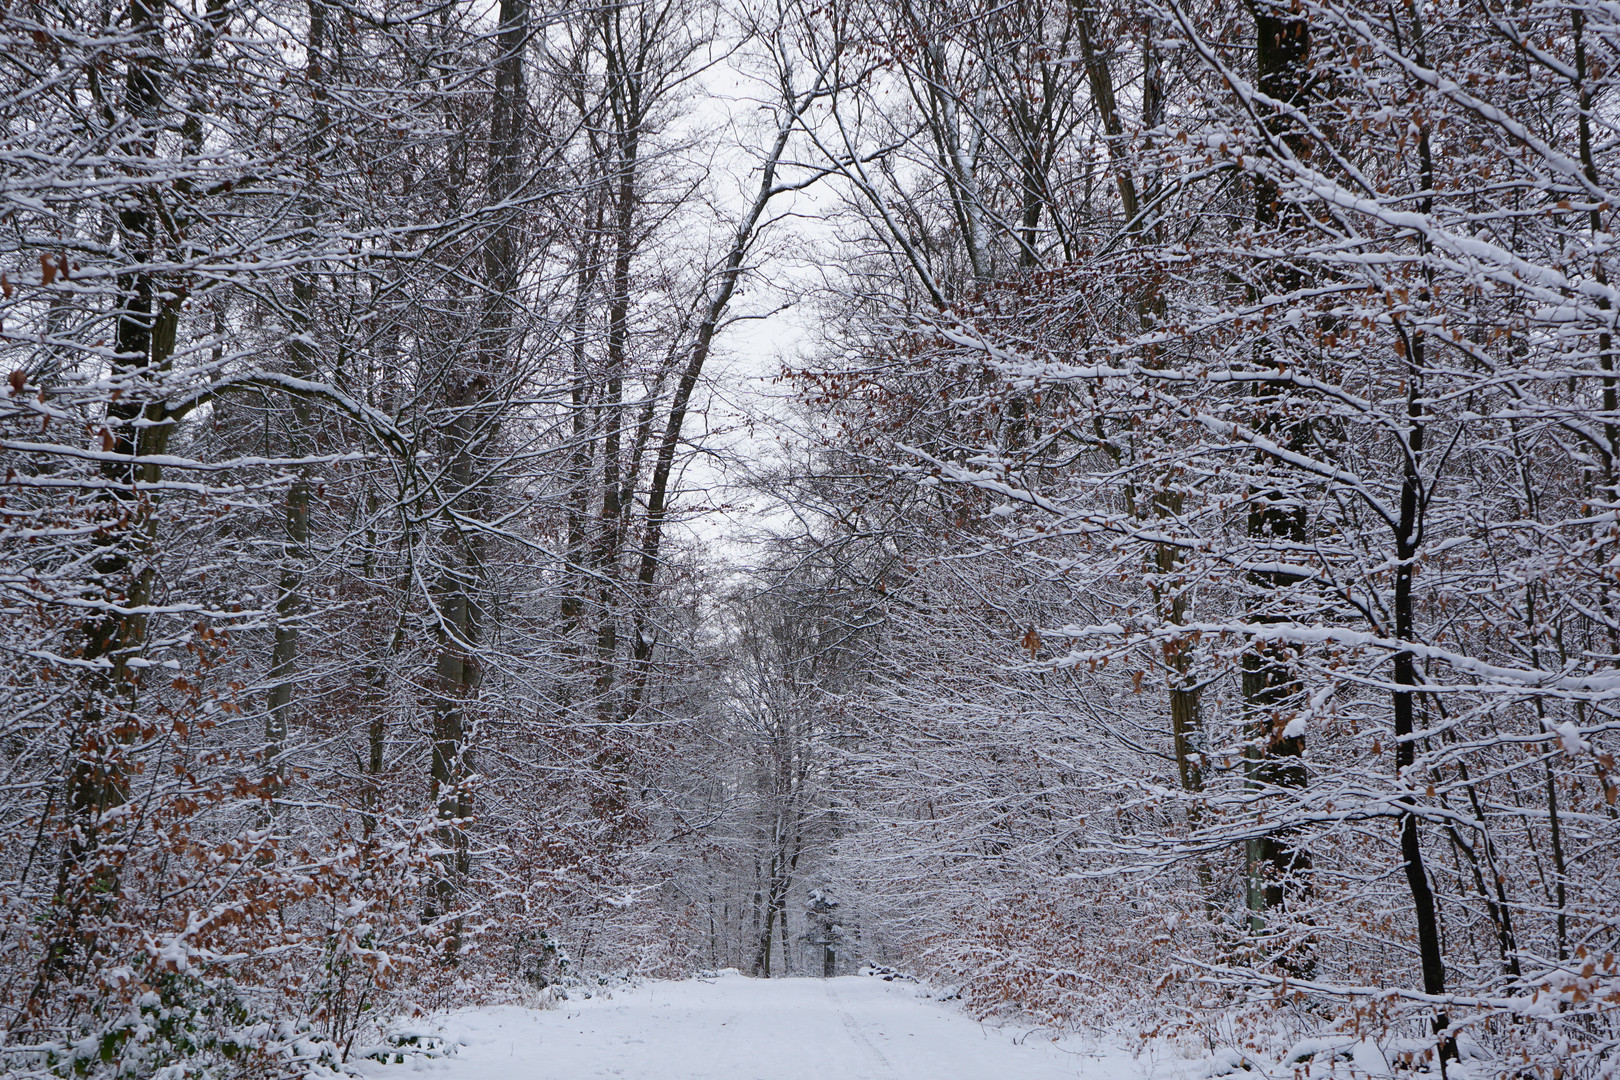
[(735, 1028)]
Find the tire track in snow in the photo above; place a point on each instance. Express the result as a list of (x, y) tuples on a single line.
[(856, 1034)]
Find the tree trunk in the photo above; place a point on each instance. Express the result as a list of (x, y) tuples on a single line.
[(461, 611), (97, 781), (1277, 870)]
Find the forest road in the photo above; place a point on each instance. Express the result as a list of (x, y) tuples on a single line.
[(736, 1028)]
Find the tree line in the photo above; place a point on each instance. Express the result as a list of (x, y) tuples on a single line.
[(1214, 421), (348, 608), (1196, 602)]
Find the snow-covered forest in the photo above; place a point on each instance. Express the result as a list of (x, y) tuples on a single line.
[(1111, 505)]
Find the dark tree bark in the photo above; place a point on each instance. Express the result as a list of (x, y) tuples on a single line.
[(1277, 868)]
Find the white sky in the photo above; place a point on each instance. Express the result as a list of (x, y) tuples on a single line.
[(772, 317)]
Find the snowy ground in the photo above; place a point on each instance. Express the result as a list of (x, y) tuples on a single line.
[(735, 1028)]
